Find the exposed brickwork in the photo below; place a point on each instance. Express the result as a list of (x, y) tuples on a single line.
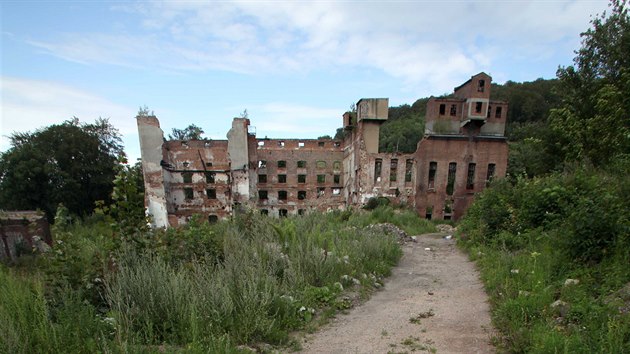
[(294, 176), (18, 232)]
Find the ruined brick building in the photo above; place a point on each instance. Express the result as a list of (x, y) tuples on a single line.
[(463, 148)]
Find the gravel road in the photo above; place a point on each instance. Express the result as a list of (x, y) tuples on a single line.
[(433, 302)]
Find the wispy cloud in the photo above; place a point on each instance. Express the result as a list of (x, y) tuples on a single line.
[(432, 42), (32, 104), (289, 120)]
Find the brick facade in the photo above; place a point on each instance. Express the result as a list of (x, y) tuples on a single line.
[(295, 176)]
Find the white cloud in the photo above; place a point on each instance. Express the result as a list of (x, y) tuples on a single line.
[(428, 42), (32, 104)]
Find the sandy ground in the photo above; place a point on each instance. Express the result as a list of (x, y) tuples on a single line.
[(440, 288)]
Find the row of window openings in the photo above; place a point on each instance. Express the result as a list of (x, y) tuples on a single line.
[(300, 179), (282, 212), (301, 195), (187, 177), (300, 144), (393, 170), (478, 108), (452, 172), (301, 164), (189, 194), (447, 212)]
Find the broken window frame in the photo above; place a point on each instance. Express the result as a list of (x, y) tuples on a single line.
[(301, 212), (432, 173), (301, 195), (321, 178), (187, 177), (478, 107), (262, 163), (490, 174), (263, 195), (481, 85), (393, 170), (321, 191), (452, 175), (282, 164), (282, 178), (470, 178), (211, 193), (262, 178), (336, 179), (283, 195), (453, 110), (283, 213), (301, 178), (442, 109), (301, 164), (336, 191), (408, 170), (210, 177), (378, 169), (498, 112), (189, 193)]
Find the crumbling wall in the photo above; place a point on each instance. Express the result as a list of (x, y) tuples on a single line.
[(21, 232), (151, 139)]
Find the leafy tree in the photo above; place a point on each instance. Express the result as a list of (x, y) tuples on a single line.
[(593, 120), (192, 132), (324, 137), (70, 163)]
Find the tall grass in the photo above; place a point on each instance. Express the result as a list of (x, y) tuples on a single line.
[(554, 255)]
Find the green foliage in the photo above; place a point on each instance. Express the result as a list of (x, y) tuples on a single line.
[(191, 132), (592, 123), (404, 128), (70, 163), (530, 237), (199, 288), (529, 101)]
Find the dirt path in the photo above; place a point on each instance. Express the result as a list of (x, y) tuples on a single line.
[(439, 288)]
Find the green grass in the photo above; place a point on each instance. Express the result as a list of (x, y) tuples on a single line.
[(529, 238), (199, 288)]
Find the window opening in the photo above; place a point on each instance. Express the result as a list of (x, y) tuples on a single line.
[(321, 164), (301, 178), (301, 195), (408, 170), (282, 195), (321, 178), (283, 213), (497, 112), (442, 109), (432, 171), (282, 178), (262, 164), (482, 86), (187, 176), (186, 163), (336, 191), (470, 180), (213, 219), (393, 170), (452, 171), (489, 111), (209, 177), (429, 213), (490, 175), (262, 195), (301, 211), (282, 164), (337, 144), (320, 143), (188, 193), (261, 143), (281, 143), (478, 106), (211, 193), (301, 164), (321, 191), (453, 110), (208, 164), (264, 212), (378, 166), (300, 144), (337, 165), (336, 179), (262, 178)]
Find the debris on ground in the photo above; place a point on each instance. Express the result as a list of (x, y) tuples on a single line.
[(445, 228), (394, 230)]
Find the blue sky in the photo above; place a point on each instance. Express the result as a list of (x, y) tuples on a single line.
[(295, 66)]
